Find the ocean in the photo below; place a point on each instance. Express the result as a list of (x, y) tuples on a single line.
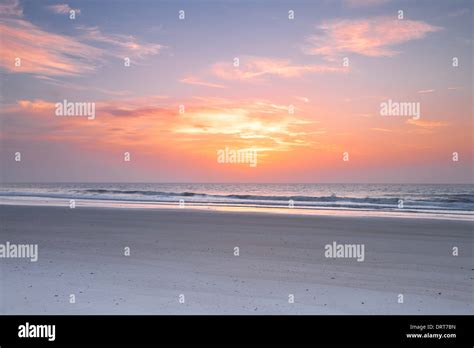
[(434, 199)]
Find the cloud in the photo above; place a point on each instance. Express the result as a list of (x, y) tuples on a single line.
[(423, 91), (44, 53), (63, 9), (364, 3), (385, 130), (303, 99), (137, 121), (193, 80), (427, 124), (258, 123), (260, 67), (369, 37), (121, 45), (459, 12), (81, 87), (11, 8)]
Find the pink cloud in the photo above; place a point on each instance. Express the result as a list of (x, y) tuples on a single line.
[(369, 37), (260, 67), (364, 3), (423, 91), (42, 52), (207, 121), (48, 54), (193, 80), (122, 45), (11, 8), (427, 124), (63, 9)]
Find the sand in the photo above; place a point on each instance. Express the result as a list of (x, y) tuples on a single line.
[(191, 252)]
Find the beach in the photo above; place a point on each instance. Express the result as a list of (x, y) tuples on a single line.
[(188, 252)]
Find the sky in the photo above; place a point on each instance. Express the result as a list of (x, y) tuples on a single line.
[(306, 94)]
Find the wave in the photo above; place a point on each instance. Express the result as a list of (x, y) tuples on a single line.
[(332, 198), (144, 193), (450, 198), (434, 201)]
